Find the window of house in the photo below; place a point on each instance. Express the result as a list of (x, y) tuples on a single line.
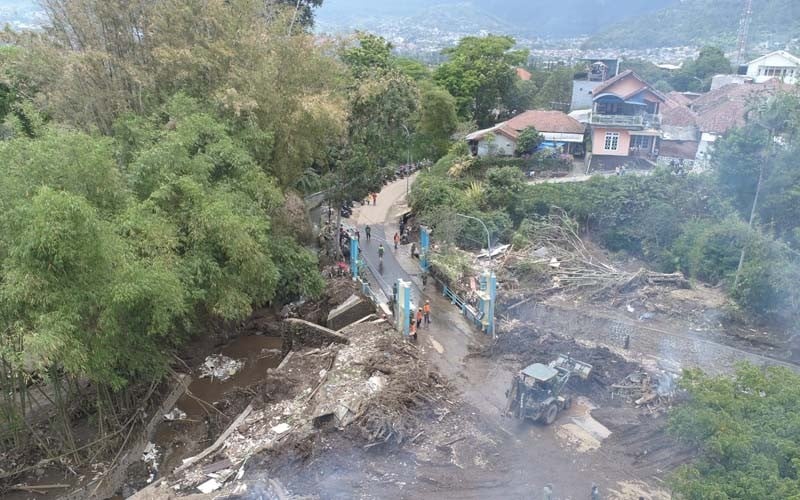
[(775, 71), (612, 141), (642, 142)]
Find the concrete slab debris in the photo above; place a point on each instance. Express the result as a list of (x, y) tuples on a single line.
[(209, 486), (281, 428), (351, 310)]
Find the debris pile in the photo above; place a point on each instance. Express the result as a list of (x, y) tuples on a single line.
[(557, 260), (377, 387), (150, 458), (404, 386), (220, 367), (651, 391)]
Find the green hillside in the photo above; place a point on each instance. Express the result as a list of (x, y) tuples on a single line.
[(697, 22)]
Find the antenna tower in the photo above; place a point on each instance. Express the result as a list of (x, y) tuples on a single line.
[(744, 28)]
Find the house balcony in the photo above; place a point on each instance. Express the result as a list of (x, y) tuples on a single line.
[(638, 121)]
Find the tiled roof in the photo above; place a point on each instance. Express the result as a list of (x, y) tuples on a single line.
[(678, 98), (611, 81), (643, 85), (677, 115), (523, 74), (546, 121), (724, 108)]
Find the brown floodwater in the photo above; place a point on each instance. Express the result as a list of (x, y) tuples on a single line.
[(180, 439), (258, 353)]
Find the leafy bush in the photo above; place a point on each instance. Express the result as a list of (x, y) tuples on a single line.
[(528, 140), (709, 251), (450, 265)]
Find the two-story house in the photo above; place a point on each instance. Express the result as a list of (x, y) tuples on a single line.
[(625, 122)]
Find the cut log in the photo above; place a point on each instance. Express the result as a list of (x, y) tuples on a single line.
[(218, 443)]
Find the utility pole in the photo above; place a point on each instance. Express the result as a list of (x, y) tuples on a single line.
[(763, 164)]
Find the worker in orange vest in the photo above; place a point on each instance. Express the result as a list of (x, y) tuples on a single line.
[(419, 317), (426, 311), (412, 329)]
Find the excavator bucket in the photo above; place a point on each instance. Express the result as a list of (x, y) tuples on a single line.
[(573, 366)]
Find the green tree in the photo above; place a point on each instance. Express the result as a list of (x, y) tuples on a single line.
[(747, 432), (528, 140), (370, 54), (480, 74), (556, 90), (437, 122), (696, 74), (413, 69), (302, 11)]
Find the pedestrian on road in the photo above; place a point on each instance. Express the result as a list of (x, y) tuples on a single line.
[(375, 199), (368, 232), (396, 240), (413, 250), (358, 235), (380, 251), (419, 317), (426, 310), (412, 330), (547, 492), (595, 494)]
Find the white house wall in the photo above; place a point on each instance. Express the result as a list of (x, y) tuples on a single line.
[(775, 61), (500, 145)]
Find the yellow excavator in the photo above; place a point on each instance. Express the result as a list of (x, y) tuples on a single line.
[(536, 391)]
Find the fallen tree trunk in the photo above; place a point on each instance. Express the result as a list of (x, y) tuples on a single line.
[(218, 443)]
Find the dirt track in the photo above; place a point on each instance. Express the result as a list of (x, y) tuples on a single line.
[(679, 349)]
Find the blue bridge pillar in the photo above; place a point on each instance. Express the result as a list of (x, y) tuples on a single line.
[(354, 258), (402, 307), (424, 247)]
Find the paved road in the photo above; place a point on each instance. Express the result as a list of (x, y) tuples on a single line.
[(383, 220)]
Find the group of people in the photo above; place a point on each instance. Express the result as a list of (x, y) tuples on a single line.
[(372, 197), (620, 170), (423, 315)]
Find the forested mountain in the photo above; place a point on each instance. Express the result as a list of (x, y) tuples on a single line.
[(696, 22), (525, 17)]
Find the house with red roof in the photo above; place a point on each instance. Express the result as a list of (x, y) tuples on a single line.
[(559, 130), (625, 122), (690, 127)]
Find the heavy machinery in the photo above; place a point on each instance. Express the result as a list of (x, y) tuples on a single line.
[(536, 391)]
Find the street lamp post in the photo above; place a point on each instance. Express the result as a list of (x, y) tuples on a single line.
[(488, 275), (488, 238), (408, 155)]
